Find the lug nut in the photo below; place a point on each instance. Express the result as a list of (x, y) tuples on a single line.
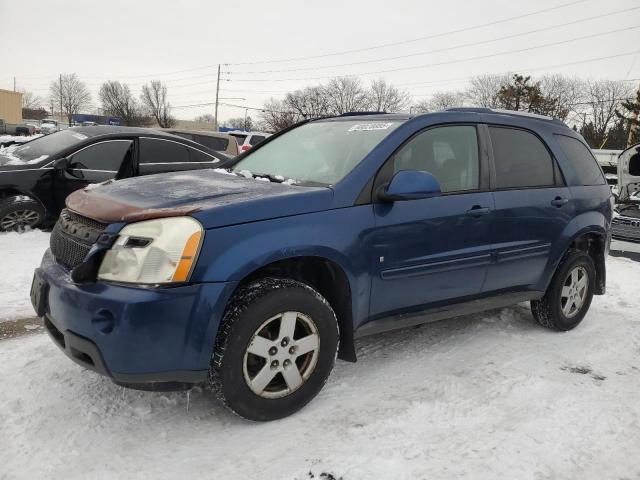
[(274, 364), (273, 351), (286, 363), (285, 341), (292, 350)]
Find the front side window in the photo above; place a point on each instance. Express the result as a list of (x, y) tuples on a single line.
[(154, 150), (521, 159), (448, 153), (320, 152), (107, 156), (582, 160)]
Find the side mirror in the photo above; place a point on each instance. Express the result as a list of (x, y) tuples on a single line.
[(61, 164), (409, 185)]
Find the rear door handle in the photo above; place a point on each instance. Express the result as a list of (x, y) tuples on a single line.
[(559, 201), (477, 211)]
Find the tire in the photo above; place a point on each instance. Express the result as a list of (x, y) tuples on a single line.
[(20, 212), (552, 311), (266, 309)]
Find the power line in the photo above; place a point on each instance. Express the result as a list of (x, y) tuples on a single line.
[(444, 49), (418, 39), (448, 62)]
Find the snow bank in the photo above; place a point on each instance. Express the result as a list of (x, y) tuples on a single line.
[(21, 254), (485, 396)]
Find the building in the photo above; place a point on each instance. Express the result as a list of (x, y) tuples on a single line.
[(11, 106)]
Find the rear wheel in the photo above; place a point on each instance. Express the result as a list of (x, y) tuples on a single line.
[(569, 295), (275, 349), (19, 212)]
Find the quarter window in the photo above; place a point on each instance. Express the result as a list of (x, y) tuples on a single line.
[(582, 160), (521, 159), (449, 153), (107, 156), (154, 150), (198, 156)]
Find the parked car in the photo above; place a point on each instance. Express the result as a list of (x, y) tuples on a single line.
[(626, 218), (348, 226), (16, 129), (246, 140), (35, 178), (48, 126), (220, 142)]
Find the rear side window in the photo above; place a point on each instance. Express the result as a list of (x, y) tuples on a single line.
[(198, 156), (256, 139), (154, 150), (107, 156), (582, 160), (521, 159), (448, 153), (214, 143)]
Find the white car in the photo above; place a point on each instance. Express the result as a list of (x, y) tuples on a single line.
[(246, 140), (48, 126)]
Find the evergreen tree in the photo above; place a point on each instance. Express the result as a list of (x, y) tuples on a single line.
[(629, 117)]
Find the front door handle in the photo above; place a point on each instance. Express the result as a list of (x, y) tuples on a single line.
[(559, 201), (477, 211)]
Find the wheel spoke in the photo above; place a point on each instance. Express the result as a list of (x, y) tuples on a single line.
[(566, 291), (288, 324), (292, 376), (263, 378), (574, 277), (307, 344), (260, 346), (582, 283), (567, 307)]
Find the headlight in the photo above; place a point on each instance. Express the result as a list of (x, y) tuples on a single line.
[(154, 251)]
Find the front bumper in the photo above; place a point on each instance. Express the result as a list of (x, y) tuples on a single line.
[(134, 335)]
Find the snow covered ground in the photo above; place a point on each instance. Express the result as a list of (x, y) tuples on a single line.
[(484, 396), (21, 254)]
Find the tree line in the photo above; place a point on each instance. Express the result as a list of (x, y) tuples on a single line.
[(601, 110), (604, 111)]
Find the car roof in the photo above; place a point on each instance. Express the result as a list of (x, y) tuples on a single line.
[(198, 132), (98, 130)]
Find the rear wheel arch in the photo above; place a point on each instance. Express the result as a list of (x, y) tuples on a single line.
[(323, 275), (594, 243)]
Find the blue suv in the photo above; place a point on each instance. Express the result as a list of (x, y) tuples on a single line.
[(253, 279)]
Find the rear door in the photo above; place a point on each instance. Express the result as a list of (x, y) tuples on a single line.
[(532, 208), (158, 155), (93, 164)]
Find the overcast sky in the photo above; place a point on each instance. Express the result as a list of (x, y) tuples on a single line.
[(182, 42)]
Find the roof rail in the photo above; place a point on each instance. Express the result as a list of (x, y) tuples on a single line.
[(356, 114), (500, 111)]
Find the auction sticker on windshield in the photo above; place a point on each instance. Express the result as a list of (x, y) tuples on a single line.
[(363, 127)]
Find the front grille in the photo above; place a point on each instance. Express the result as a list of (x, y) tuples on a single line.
[(72, 237), (626, 228)]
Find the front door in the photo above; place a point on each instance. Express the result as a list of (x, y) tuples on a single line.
[(437, 249)]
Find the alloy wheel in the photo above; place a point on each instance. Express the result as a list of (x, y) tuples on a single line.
[(19, 220), (281, 355), (574, 291)]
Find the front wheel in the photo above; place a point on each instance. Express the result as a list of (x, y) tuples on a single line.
[(569, 295), (275, 349)]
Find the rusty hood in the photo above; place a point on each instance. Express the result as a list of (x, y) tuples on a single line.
[(215, 199)]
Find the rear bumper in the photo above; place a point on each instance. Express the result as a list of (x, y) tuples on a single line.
[(133, 335)]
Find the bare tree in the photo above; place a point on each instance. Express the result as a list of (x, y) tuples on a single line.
[(440, 101), (31, 101), (310, 102), (275, 116), (566, 93), (70, 94), (206, 118), (383, 97), (345, 94), (117, 100), (484, 90), (154, 99), (239, 123), (602, 99)]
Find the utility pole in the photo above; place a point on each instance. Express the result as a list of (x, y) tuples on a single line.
[(14, 84), (633, 127), (61, 98), (215, 115)]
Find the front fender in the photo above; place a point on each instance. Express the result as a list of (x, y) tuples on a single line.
[(230, 254)]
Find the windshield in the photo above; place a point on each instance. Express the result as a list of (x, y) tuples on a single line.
[(320, 152), (43, 147)]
